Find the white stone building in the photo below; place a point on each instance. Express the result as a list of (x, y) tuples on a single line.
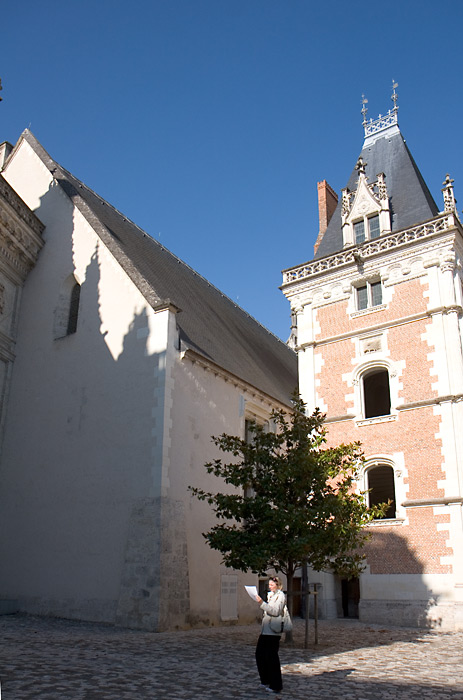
[(20, 244), (126, 362), (121, 362)]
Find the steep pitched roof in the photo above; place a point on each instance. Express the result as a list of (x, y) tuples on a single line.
[(209, 322), (410, 200)]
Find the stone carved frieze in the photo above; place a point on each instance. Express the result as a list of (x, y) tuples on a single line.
[(2, 298), (7, 194), (18, 245), (20, 231), (8, 302), (385, 243)]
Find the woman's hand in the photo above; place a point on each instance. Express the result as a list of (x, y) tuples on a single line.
[(259, 599)]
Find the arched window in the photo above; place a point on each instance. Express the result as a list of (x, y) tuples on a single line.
[(381, 487), (67, 309), (73, 309), (376, 393)]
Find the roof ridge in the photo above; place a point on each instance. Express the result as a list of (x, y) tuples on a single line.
[(153, 240), (42, 152)]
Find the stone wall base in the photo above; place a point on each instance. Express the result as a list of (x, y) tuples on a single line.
[(425, 614), (70, 609), (8, 607)]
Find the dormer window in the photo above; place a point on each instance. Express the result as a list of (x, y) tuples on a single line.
[(367, 229), (373, 225), (365, 213), (359, 232)]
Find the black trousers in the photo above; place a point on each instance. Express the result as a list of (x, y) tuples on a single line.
[(268, 661)]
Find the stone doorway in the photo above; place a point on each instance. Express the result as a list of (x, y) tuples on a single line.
[(350, 597)]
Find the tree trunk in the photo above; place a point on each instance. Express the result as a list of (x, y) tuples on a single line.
[(306, 602), (290, 599)]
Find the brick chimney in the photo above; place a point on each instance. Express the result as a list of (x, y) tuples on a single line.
[(327, 201)]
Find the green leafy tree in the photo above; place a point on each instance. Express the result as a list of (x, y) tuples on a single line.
[(294, 501)]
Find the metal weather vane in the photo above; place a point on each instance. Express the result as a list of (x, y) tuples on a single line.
[(364, 109), (394, 96)]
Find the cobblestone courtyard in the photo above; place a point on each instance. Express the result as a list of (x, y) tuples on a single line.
[(43, 659)]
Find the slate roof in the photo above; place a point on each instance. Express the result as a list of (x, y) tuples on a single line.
[(410, 200), (209, 322)]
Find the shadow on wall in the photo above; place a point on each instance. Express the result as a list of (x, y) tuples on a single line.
[(85, 450), (395, 591), (392, 589)]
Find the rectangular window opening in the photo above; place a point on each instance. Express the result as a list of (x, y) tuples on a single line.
[(376, 294), (369, 295), (359, 232), (373, 225), (362, 298)]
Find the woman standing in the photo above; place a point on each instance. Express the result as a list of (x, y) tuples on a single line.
[(267, 659)]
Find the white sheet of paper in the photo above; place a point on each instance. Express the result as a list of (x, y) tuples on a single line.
[(252, 591)]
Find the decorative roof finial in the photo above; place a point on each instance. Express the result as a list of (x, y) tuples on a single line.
[(360, 166), (450, 203), (364, 109), (376, 128), (394, 96)]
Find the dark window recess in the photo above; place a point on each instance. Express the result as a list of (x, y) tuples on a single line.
[(376, 394), (73, 309), (381, 488)]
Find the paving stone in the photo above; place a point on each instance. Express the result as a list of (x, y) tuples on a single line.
[(49, 659)]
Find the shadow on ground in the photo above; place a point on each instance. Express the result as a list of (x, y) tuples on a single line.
[(62, 660)]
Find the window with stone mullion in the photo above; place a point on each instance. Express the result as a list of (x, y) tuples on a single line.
[(373, 226), (376, 294), (362, 298), (359, 232)]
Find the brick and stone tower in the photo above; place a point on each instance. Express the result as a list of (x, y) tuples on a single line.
[(377, 325)]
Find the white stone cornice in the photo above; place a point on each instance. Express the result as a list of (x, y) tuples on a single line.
[(369, 250), (381, 326), (426, 502), (396, 266), (208, 365)]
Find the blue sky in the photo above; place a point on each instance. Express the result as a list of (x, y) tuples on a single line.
[(209, 122)]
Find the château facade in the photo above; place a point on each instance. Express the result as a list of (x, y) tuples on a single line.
[(124, 362), (377, 326), (118, 363)]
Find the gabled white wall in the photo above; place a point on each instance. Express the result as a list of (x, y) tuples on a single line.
[(106, 430), (85, 418)]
